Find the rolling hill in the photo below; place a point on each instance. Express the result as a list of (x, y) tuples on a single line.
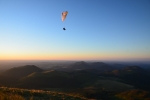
[(92, 80), (30, 76), (22, 71)]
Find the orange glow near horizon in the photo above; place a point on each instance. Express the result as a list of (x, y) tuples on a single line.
[(58, 56)]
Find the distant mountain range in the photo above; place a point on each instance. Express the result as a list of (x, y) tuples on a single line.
[(100, 66), (78, 75), (96, 80)]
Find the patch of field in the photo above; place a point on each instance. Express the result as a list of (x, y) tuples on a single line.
[(112, 85)]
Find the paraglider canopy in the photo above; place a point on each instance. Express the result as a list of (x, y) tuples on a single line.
[(64, 15)]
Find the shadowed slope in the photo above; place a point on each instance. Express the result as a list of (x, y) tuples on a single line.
[(19, 72)]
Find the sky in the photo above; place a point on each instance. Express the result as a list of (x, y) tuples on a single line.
[(95, 30)]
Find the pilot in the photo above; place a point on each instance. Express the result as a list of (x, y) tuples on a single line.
[(64, 29)]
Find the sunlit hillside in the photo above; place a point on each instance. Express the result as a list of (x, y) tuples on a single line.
[(26, 94), (32, 94)]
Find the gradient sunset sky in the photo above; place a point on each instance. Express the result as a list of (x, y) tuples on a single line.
[(95, 30)]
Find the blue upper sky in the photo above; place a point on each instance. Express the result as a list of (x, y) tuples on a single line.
[(95, 30)]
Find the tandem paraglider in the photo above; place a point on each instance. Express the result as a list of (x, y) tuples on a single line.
[(63, 17)]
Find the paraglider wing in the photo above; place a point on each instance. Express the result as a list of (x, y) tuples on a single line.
[(64, 15)]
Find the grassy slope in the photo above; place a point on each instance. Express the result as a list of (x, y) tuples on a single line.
[(25, 94)]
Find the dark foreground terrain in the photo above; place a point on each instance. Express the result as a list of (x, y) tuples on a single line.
[(76, 81)]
